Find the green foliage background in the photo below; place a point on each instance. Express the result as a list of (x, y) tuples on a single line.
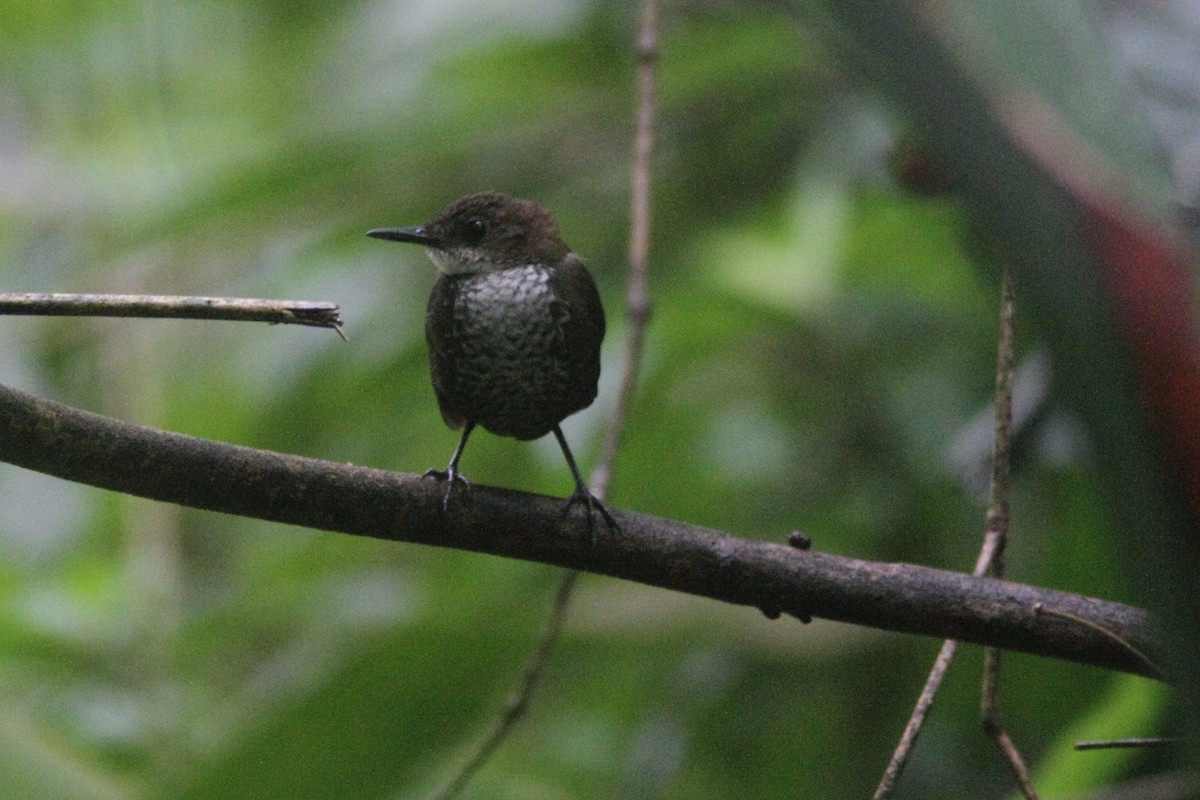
[(821, 341)]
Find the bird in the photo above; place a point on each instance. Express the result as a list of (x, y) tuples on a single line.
[(514, 326)]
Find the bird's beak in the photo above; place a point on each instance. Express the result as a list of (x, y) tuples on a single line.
[(415, 235)]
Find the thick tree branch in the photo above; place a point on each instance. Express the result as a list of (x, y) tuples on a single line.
[(87, 448)]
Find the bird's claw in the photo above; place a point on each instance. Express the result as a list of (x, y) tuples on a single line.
[(451, 476), (592, 504)]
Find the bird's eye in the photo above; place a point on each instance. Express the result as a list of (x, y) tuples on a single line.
[(474, 230)]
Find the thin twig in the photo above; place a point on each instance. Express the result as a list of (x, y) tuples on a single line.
[(999, 512), (1012, 755), (601, 477), (241, 309), (518, 701), (989, 563), (937, 673), (998, 516), (1116, 744), (637, 293), (916, 720)]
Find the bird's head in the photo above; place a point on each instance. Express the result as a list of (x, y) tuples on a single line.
[(484, 232)]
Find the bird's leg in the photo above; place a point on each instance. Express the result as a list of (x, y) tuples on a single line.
[(452, 475), (582, 495)]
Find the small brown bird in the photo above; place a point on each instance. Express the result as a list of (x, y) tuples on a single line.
[(514, 326)]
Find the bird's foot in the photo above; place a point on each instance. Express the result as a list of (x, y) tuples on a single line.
[(592, 504), (452, 476)]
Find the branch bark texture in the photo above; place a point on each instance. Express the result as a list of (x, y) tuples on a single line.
[(295, 312), (79, 446)]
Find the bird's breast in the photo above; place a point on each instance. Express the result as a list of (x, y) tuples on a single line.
[(499, 351), (510, 315)]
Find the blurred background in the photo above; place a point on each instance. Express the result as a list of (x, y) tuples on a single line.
[(821, 352)]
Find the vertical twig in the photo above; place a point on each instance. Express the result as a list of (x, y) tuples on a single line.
[(916, 721), (637, 298), (637, 293), (997, 533), (998, 512), (990, 562), (518, 701)]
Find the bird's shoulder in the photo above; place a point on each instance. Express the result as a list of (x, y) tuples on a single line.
[(572, 283)]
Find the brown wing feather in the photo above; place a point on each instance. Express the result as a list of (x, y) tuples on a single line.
[(439, 317), (584, 328)]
